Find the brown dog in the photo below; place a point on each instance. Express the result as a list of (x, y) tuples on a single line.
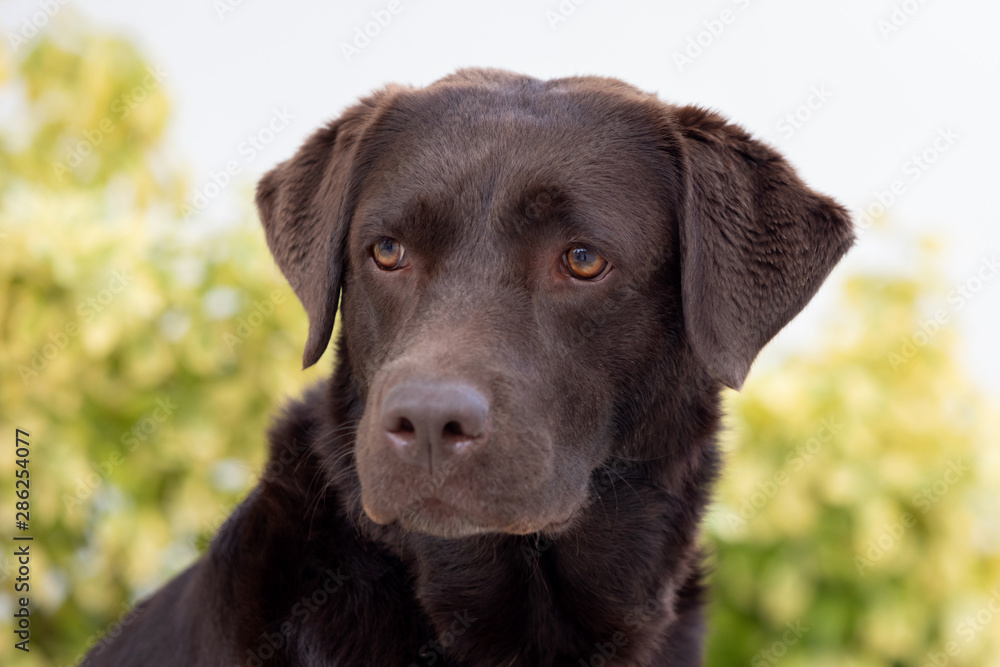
[(544, 285)]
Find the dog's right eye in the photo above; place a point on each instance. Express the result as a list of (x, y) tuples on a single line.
[(388, 254)]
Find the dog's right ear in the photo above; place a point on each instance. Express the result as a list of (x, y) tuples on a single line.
[(304, 209)]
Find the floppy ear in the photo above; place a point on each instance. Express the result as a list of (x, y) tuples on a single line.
[(756, 242), (303, 206)]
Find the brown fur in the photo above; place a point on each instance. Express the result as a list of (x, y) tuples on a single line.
[(565, 531)]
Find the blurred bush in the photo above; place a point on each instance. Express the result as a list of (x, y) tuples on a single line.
[(856, 524), (858, 506), (144, 357)]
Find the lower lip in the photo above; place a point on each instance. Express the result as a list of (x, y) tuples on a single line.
[(435, 510)]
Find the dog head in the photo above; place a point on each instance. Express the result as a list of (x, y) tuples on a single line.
[(522, 266)]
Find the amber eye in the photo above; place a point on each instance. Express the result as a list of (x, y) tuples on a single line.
[(584, 263), (388, 254)]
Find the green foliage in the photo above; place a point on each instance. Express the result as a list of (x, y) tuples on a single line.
[(97, 115), (145, 360), (854, 497)]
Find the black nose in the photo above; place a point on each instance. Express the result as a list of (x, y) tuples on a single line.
[(429, 422)]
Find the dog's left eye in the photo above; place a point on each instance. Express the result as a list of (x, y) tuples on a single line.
[(584, 263), (388, 254)]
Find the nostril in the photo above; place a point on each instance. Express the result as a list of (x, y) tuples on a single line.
[(454, 429), (399, 425)]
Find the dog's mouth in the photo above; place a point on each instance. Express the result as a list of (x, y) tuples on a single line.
[(435, 515), (441, 520)]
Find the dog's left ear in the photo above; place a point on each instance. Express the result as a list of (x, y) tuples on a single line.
[(303, 205), (755, 241)]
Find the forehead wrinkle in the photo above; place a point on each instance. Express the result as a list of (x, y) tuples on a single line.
[(477, 170)]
